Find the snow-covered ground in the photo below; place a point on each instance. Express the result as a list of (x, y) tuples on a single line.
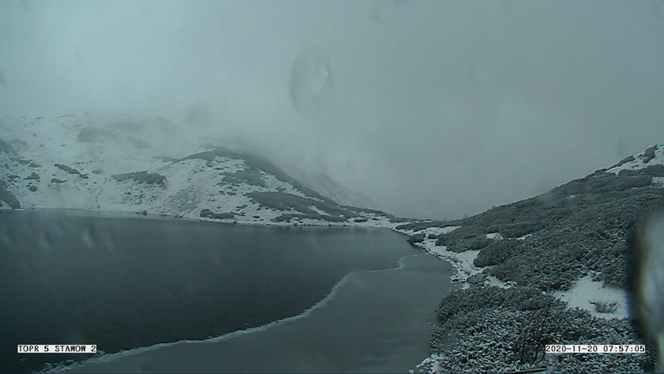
[(585, 292)]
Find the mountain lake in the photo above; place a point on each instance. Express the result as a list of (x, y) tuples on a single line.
[(173, 295)]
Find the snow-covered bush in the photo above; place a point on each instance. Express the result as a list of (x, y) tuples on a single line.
[(489, 329), (498, 251), (604, 306)]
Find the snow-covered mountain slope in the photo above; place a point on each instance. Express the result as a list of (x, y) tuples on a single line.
[(330, 188), (653, 156), (607, 201), (126, 163), (537, 260)]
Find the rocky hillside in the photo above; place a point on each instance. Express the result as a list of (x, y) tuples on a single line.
[(520, 260), (149, 165)]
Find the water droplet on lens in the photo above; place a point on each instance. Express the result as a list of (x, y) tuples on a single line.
[(310, 82), (646, 280), (88, 237)]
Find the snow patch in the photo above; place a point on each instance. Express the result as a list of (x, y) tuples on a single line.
[(275, 185), (320, 212), (430, 364), (439, 230), (494, 235), (585, 291), (431, 231), (493, 281)]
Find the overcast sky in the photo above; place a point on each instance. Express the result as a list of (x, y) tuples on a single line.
[(435, 109)]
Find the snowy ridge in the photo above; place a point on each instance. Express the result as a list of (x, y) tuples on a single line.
[(125, 163), (652, 156)]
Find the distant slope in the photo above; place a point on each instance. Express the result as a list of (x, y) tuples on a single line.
[(557, 243), (126, 163), (330, 188)]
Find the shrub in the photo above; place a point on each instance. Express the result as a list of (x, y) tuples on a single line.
[(419, 226), (284, 201), (141, 177), (473, 298), (494, 330), (655, 170), (207, 213), (497, 252), (471, 244), (604, 306), (68, 169), (417, 238)]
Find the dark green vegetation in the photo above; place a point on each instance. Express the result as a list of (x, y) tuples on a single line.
[(490, 329), (549, 242), (207, 213), (577, 228), (141, 177), (284, 201), (71, 170), (21, 161)]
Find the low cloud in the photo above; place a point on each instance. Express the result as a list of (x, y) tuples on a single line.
[(435, 109)]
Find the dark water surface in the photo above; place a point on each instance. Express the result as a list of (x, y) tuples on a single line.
[(124, 282)]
